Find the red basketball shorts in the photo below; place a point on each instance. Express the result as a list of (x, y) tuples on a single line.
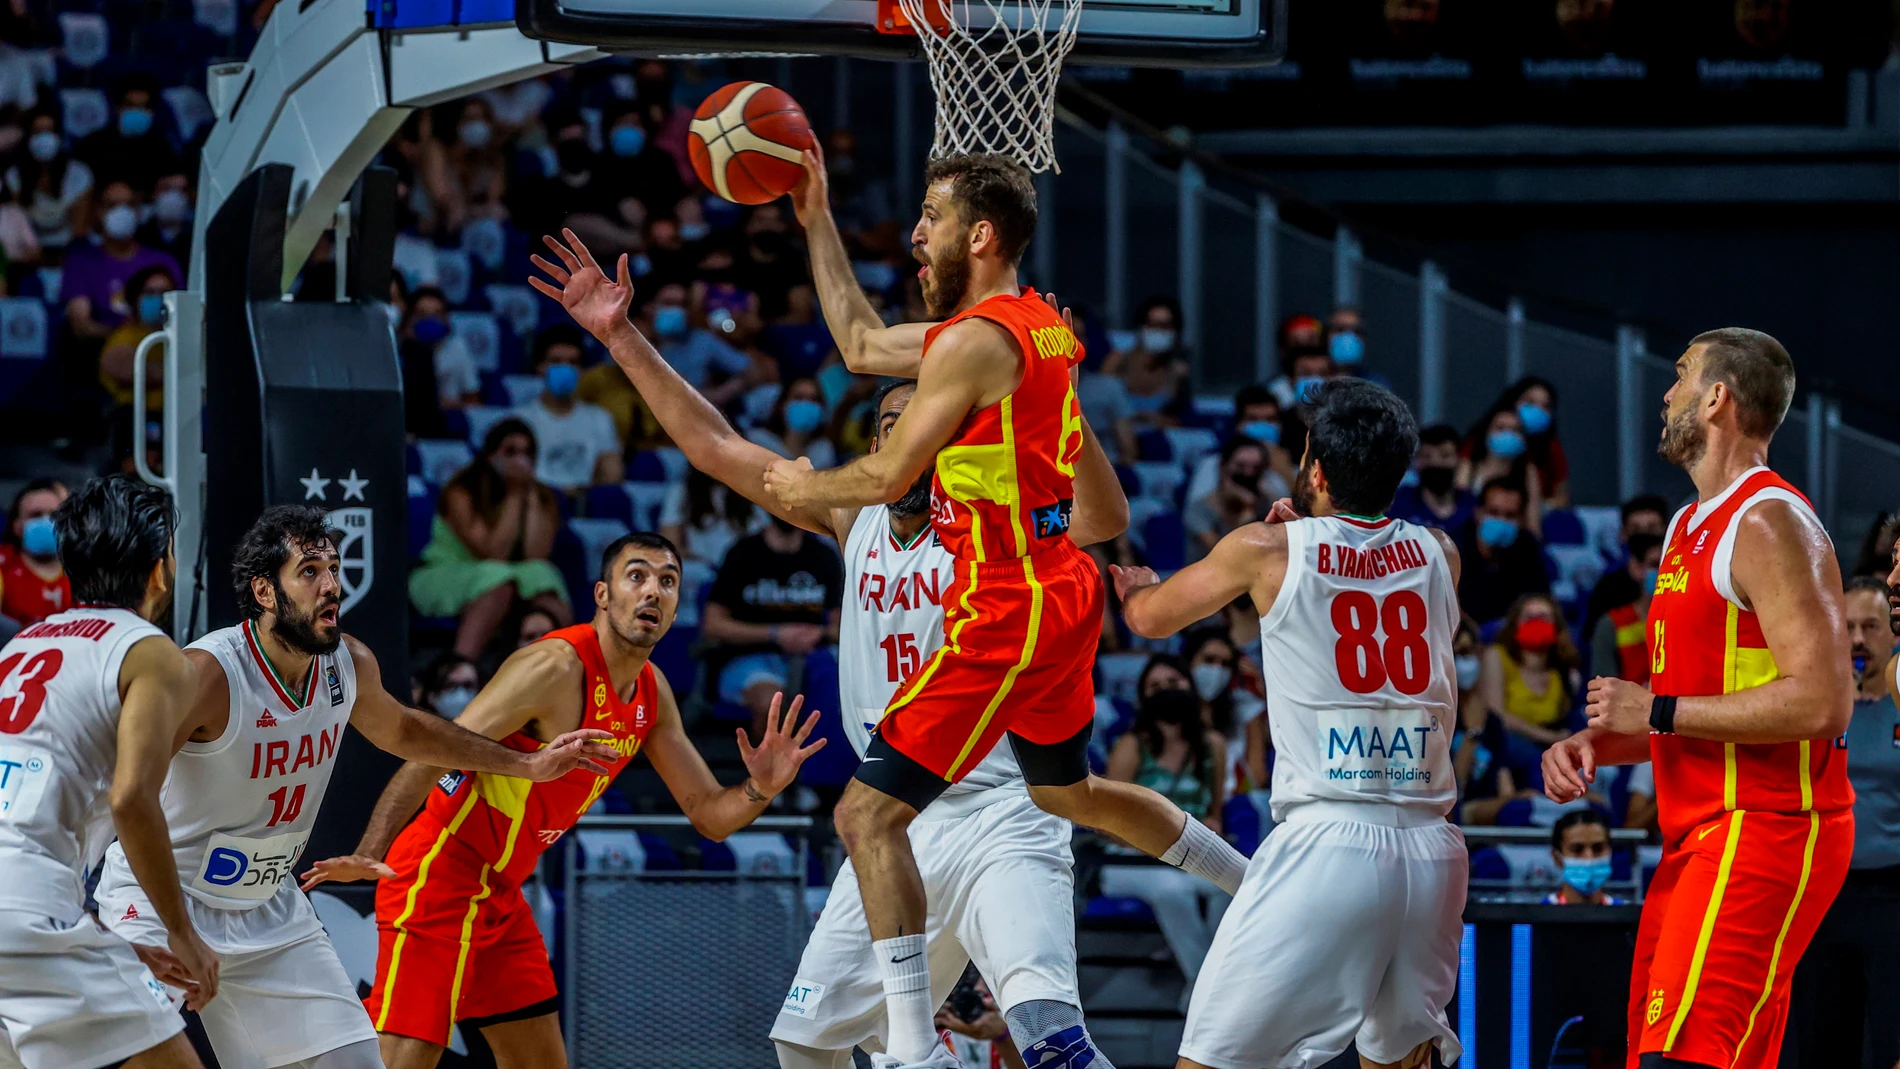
[(1729, 913), (1018, 656), (455, 942)]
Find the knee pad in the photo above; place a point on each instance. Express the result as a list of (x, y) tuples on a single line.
[(1050, 1035)]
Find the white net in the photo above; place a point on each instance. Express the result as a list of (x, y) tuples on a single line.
[(994, 65)]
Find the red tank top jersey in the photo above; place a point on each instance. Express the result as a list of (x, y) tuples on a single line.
[(1703, 643), (1004, 486), (508, 821)]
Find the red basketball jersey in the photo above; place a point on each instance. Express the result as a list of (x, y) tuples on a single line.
[(508, 821), (1702, 642), (1004, 486)]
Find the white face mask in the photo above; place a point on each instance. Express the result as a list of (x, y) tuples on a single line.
[(452, 701), (172, 206), (43, 145), (120, 222), (1468, 668), (1157, 339), (1210, 680)]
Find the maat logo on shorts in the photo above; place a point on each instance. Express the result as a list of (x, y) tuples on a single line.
[(803, 998), (1655, 1006)]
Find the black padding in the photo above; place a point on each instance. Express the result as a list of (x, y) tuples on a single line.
[(1057, 764), (891, 772)]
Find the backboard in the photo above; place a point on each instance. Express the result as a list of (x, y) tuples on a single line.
[(1175, 33)]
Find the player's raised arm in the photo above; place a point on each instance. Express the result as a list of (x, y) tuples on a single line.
[(1784, 569), (867, 345), (156, 685), (717, 812), (1250, 558), (711, 444), (964, 364)]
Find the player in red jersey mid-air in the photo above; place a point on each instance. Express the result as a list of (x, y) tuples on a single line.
[(1751, 681), (995, 411)]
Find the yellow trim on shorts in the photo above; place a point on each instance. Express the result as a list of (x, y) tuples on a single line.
[(1807, 779), (1009, 678), (468, 934), (409, 905), (1800, 889), (951, 643), (1708, 929)]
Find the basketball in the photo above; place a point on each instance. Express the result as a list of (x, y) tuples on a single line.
[(745, 142)]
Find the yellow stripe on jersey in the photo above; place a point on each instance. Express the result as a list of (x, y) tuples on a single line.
[(1708, 930), (1009, 678), (409, 905), (1015, 499), (1800, 890), (505, 794)]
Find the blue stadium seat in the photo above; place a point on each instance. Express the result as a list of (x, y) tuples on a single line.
[(716, 857), (833, 765), (1153, 444), (1112, 910), (646, 466), (610, 502), (673, 656), (1487, 863), (1563, 528), (661, 857), (569, 555), (455, 421), (1165, 541)]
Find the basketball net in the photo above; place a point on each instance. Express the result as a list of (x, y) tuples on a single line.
[(994, 65)]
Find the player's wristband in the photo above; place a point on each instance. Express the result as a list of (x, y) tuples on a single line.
[(1662, 714)]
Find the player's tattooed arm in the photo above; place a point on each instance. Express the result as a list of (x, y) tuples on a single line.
[(1251, 559), (716, 811), (600, 305), (867, 345)]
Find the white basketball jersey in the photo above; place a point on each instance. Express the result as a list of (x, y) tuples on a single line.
[(241, 806), (892, 624), (59, 742), (1357, 652)]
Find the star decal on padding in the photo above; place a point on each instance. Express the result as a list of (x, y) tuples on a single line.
[(353, 486), (725, 134), (314, 485)]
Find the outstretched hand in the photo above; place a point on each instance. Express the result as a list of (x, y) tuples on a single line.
[(588, 748), (597, 303), (811, 197), (775, 761), (346, 869), (1067, 313)]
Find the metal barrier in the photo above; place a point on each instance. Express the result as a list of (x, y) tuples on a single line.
[(680, 969)]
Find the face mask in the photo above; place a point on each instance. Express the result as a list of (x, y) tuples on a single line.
[(452, 701), (1468, 668), (135, 122), (1347, 347), (1650, 578), (627, 141), (1437, 480), (803, 417), (1157, 339), (670, 321), (1587, 874), (642, 265), (474, 133), (1496, 532), (44, 145), (1860, 660), (562, 379), (1261, 430), (1507, 444), (1536, 420), (172, 206), (429, 330), (38, 537), (121, 222), (574, 155), (1210, 680), (691, 232), (1536, 635), (1306, 387), (151, 308)]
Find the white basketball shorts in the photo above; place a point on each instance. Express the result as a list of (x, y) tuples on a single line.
[(1001, 886), (73, 994), (1346, 928)]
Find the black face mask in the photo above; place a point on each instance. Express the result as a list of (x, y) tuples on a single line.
[(574, 156), (1437, 480), (769, 243)]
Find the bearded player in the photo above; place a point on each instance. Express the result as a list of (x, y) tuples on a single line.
[(995, 413), (1346, 930), (1751, 680), (458, 942), (253, 759)]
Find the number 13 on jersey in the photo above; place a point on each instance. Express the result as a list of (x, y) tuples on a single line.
[(1365, 662)]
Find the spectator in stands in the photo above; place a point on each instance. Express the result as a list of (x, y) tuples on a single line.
[(18, 240), (714, 367), (1532, 672), (534, 626), (1619, 643), (1644, 519), (1845, 987), (1580, 845), (1535, 402), (704, 519), (1639, 797), (50, 184), (768, 263), (578, 445), (1256, 416), (669, 256), (1437, 501), (1502, 560), (1346, 339), (1154, 372), (1171, 751), (776, 599), (1482, 754), (131, 148), (145, 290), (427, 338), (493, 530), (33, 584), (1304, 360), (169, 228), (1235, 501), (796, 427), (449, 683), (463, 168), (580, 194), (636, 165), (1876, 548), (1215, 669), (1494, 449), (93, 283), (1105, 404)]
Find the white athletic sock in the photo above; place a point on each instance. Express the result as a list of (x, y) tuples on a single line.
[(1200, 851), (907, 997)]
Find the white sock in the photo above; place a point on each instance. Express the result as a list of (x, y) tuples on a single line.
[(907, 997), (1208, 856)]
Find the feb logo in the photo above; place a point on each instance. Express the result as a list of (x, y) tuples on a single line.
[(600, 695), (356, 553), (1655, 1011)]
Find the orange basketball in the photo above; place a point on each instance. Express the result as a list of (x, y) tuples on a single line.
[(745, 142)]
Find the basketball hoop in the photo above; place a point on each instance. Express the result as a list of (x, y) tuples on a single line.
[(994, 65)]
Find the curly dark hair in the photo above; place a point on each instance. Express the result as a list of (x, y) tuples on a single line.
[(280, 531), (992, 187), (112, 533)]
